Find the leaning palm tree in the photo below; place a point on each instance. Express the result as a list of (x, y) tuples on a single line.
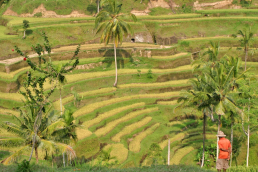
[(113, 27), (24, 130), (246, 38)]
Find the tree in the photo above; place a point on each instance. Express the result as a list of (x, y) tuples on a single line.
[(200, 98), (246, 38), (234, 62), (67, 132), (113, 26), (248, 100), (34, 93), (24, 129), (25, 27), (213, 88)]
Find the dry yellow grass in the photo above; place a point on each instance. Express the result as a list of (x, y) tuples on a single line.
[(118, 151), (12, 96), (180, 154), (105, 115), (9, 112), (128, 129), (167, 102), (170, 57), (91, 107), (156, 84), (84, 94), (111, 125), (11, 75), (84, 76), (173, 139), (71, 78), (82, 133), (97, 46), (135, 145)]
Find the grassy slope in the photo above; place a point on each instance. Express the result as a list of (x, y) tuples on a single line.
[(164, 114)]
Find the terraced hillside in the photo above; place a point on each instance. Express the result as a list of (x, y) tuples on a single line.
[(140, 110)]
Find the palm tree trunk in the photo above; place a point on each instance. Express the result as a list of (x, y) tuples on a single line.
[(60, 102), (218, 137), (36, 154), (64, 159), (246, 56), (203, 149), (24, 35), (231, 143), (36, 127), (98, 5), (168, 151), (115, 84), (248, 136)]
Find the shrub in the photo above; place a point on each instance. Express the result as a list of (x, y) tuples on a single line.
[(3, 21), (39, 14), (242, 169), (149, 74), (185, 43), (24, 166)]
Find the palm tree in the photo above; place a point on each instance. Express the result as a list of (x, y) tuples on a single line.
[(112, 26), (209, 58), (24, 130), (200, 98), (245, 41)]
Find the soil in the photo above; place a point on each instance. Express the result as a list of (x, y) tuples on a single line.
[(214, 5), (45, 13)]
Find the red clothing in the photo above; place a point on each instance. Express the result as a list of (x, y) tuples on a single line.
[(225, 144)]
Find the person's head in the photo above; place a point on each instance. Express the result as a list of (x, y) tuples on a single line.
[(221, 134)]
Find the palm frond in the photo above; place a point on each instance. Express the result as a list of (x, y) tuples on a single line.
[(15, 155), (12, 142)]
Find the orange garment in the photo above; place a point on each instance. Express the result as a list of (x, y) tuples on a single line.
[(225, 144)]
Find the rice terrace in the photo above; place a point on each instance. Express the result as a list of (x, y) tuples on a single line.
[(128, 85)]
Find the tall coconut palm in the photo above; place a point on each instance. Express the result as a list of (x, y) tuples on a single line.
[(113, 27), (246, 39), (200, 98), (222, 81), (209, 58), (24, 130)]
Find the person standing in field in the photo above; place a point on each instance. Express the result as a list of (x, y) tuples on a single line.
[(224, 154)]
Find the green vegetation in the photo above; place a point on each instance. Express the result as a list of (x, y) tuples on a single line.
[(129, 125)]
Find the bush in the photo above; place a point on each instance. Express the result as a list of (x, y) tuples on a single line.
[(185, 43), (242, 169), (149, 74), (245, 3), (3, 21), (24, 166), (39, 14)]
